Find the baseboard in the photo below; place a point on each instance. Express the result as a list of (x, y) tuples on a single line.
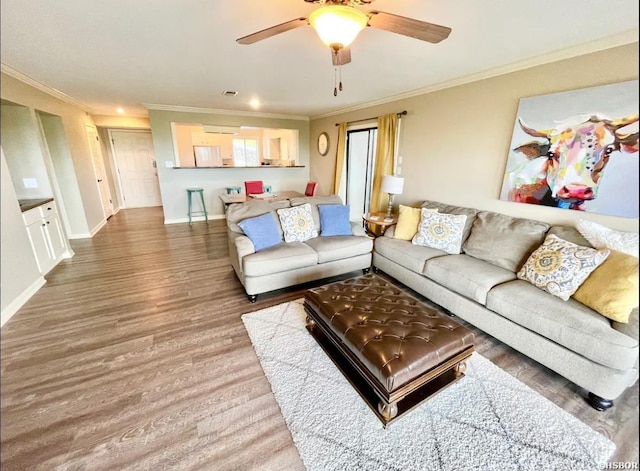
[(194, 219), (95, 230), (81, 235), (20, 301)]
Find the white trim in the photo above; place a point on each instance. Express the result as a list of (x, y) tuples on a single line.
[(114, 162), (616, 40), (20, 300), (10, 71), (212, 217), (80, 235), (95, 230), (193, 109)]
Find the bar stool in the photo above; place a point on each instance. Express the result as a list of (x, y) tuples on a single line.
[(190, 192)]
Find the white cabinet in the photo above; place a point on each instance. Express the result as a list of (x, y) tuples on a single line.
[(46, 235)]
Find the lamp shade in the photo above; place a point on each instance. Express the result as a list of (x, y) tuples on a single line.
[(338, 24), (392, 185)]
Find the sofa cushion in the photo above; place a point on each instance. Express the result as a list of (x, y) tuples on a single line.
[(450, 209), (334, 220), (405, 253), (468, 276), (262, 230), (297, 223), (570, 234), (631, 328), (570, 324), (314, 201), (440, 231), (282, 257), (612, 288), (339, 247), (559, 267), (238, 211), (503, 240)]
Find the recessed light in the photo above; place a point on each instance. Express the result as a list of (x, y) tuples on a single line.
[(254, 103), (120, 110)]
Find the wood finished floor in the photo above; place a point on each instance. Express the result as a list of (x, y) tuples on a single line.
[(133, 356)]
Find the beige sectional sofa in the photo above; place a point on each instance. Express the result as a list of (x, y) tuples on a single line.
[(292, 263), (481, 287)]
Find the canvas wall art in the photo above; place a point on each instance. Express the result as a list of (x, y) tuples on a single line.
[(577, 150)]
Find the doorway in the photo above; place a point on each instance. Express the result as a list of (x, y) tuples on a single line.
[(98, 168), (358, 170), (136, 168)]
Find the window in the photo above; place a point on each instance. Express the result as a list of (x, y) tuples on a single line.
[(245, 152)]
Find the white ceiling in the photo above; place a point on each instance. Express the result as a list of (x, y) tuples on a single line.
[(112, 53)]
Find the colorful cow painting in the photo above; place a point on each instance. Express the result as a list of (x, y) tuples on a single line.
[(564, 169), (577, 150)]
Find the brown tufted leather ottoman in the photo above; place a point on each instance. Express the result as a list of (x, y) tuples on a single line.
[(394, 349)]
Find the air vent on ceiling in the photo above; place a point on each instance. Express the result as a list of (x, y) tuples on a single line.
[(220, 129), (229, 93)]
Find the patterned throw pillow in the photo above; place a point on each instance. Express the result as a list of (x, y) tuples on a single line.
[(602, 237), (440, 231), (297, 223), (559, 267)]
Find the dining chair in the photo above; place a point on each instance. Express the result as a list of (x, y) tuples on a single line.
[(253, 187), (312, 188)]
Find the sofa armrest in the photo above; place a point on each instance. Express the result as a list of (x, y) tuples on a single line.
[(239, 247), (357, 229), (391, 230)]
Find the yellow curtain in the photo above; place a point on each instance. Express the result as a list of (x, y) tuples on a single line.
[(385, 154), (340, 154)]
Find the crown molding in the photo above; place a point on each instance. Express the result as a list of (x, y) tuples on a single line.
[(254, 114), (16, 74), (608, 42)]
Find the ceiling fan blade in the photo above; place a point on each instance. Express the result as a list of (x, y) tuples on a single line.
[(267, 33), (341, 57), (411, 27)]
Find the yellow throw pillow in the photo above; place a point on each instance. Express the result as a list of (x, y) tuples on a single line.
[(612, 288), (408, 221)]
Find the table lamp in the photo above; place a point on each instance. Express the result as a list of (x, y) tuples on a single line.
[(393, 186)]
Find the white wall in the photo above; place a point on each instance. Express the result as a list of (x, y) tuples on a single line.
[(73, 121), (19, 270), (455, 142), (23, 153), (175, 181)]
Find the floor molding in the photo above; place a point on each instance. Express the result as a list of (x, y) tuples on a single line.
[(20, 301), (194, 219), (95, 230)]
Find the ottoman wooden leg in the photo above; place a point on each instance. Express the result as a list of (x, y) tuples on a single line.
[(388, 411), (460, 368), (310, 322)]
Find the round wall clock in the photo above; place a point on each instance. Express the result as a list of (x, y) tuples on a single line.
[(323, 143)]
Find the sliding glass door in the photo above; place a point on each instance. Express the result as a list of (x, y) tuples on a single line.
[(361, 151)]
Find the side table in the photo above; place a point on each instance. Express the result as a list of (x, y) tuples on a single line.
[(377, 223)]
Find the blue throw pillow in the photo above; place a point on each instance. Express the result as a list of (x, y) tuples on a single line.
[(334, 219), (262, 231)]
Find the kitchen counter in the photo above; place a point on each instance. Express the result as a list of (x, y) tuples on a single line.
[(27, 204)]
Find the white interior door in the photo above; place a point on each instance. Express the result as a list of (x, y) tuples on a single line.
[(135, 161), (98, 167)]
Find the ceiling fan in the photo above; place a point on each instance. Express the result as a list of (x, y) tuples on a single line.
[(338, 22)]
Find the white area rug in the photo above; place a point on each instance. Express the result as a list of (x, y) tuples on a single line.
[(486, 421)]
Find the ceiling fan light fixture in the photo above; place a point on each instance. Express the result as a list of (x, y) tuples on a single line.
[(338, 24)]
